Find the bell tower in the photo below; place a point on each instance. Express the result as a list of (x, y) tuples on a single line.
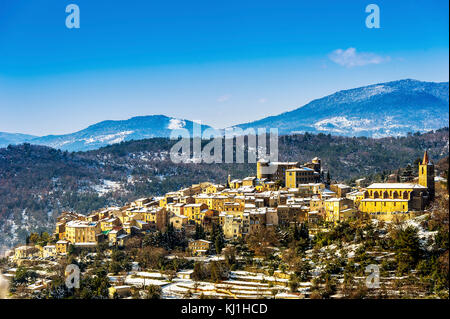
[(426, 175)]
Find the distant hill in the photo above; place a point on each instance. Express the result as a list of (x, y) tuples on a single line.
[(109, 132), (384, 109), (14, 138), (38, 182)]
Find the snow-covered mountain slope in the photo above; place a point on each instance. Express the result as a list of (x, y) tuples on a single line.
[(385, 109), (112, 132)]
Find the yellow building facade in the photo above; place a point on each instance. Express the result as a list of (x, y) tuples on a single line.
[(194, 212), (299, 176), (426, 175), (82, 232), (387, 201), (338, 209)]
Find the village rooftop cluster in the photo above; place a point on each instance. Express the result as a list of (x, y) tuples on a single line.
[(287, 193)]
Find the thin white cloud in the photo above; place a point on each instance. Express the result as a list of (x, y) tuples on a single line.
[(223, 98), (350, 58), (262, 100)]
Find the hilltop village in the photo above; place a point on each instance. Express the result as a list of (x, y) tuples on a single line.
[(292, 193), (209, 223)]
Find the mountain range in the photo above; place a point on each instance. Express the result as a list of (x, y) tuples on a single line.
[(378, 110), (385, 109), (107, 133)]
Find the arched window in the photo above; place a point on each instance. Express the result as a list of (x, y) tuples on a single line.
[(395, 195), (375, 194), (405, 195)]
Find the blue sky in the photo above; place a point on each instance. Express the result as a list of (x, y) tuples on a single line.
[(222, 62)]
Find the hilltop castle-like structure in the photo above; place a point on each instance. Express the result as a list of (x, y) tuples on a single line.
[(290, 173)]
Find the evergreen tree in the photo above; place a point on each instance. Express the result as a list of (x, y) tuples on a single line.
[(154, 292), (198, 272), (407, 248), (302, 270), (218, 238), (216, 272), (295, 233), (304, 232), (199, 232)]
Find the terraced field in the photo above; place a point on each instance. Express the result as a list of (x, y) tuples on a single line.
[(240, 285)]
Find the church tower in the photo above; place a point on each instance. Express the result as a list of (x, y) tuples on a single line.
[(426, 175)]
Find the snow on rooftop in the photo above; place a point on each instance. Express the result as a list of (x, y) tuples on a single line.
[(395, 185)]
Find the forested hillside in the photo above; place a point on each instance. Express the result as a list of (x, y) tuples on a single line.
[(37, 183)]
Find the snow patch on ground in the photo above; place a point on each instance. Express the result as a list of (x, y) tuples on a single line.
[(423, 234), (106, 187), (108, 138), (340, 124)]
